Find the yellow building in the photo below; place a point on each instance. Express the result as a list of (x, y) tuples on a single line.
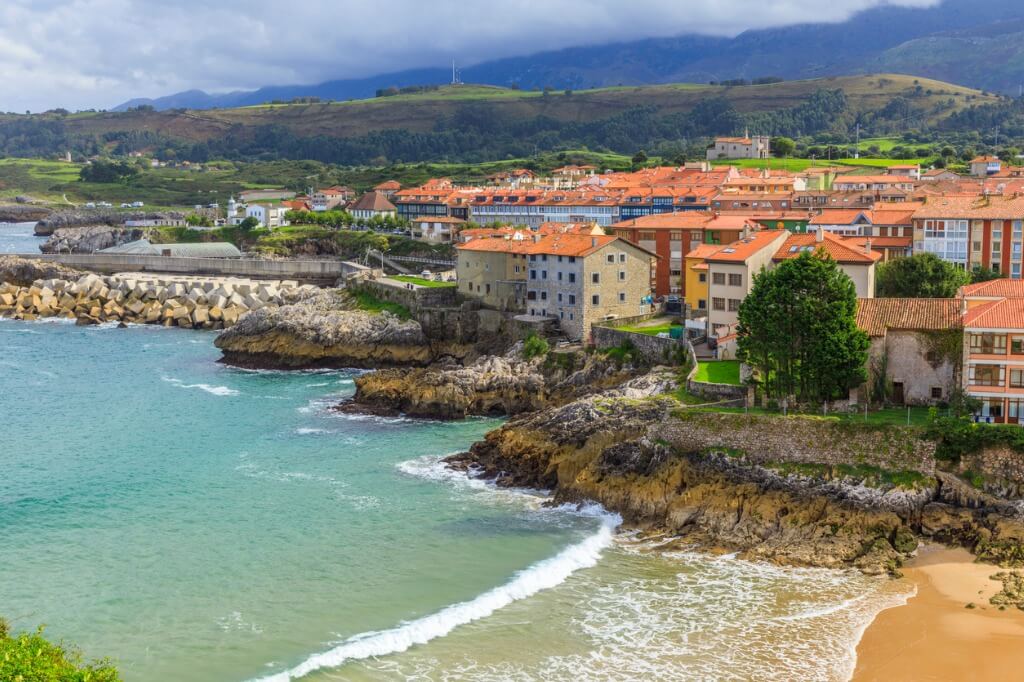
[(695, 277)]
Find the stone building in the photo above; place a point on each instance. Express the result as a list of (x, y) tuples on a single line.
[(915, 342), (493, 271)]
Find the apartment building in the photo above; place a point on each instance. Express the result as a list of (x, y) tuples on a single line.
[(973, 231), (330, 198), (873, 183), (268, 215), (492, 269), (672, 236), (583, 279), (731, 271), (993, 366), (695, 285)]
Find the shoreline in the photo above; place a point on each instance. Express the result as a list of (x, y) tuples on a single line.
[(935, 636)]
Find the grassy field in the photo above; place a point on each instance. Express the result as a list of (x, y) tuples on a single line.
[(895, 416), (420, 281), (719, 372), (799, 165), (420, 112), (374, 305), (650, 330)]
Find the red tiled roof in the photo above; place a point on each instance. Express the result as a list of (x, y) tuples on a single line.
[(834, 246), (743, 249), (495, 245), (704, 250), (996, 288), (388, 185), (372, 201), (876, 315), (1006, 313), (972, 207)]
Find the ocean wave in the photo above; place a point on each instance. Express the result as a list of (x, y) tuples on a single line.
[(223, 391), (543, 575)]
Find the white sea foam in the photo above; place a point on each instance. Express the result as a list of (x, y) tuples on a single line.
[(212, 390), (310, 432), (541, 576)]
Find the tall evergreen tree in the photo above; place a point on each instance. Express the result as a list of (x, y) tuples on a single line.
[(798, 329)]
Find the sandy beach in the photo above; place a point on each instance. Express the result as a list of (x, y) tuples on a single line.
[(935, 636)]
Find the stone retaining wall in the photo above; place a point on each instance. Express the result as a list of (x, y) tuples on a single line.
[(999, 470), (414, 299), (801, 440), (719, 392), (655, 350)]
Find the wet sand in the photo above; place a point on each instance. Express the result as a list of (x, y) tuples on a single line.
[(935, 636)]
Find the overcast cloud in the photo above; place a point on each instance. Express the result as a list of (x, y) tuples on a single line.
[(98, 53)]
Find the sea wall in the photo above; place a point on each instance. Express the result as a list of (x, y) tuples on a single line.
[(655, 350), (171, 301), (799, 439), (414, 299)]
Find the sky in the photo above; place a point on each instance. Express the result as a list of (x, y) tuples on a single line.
[(80, 54)]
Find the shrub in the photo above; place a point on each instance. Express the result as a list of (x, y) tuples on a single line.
[(534, 347), (29, 657)]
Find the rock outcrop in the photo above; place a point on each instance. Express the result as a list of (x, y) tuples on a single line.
[(194, 303), (326, 330), (22, 272), (23, 213), (610, 449), (492, 385), (97, 216), (90, 239)]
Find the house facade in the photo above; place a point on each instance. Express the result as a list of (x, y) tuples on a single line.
[(993, 322), (731, 271), (268, 215), (749, 147)]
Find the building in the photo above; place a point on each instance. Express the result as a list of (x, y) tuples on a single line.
[(671, 236), (695, 285), (142, 247), (858, 264), (939, 175), (747, 147), (875, 184), (731, 271), (372, 205), (388, 188), (910, 170), (903, 333), (993, 322), (437, 229), (973, 231), (330, 198), (492, 269), (984, 166), (268, 215), (582, 279)]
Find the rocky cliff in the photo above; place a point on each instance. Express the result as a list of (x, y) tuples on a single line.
[(97, 216), (23, 213), (612, 449), (492, 385), (326, 329), (23, 272), (90, 239)]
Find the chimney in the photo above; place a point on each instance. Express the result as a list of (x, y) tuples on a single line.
[(593, 242), (820, 234), (867, 246)]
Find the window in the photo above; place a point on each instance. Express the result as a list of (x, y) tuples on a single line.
[(988, 344), (735, 280), (702, 304), (675, 235), (559, 298), (622, 297), (531, 296), (622, 258), (622, 275), (937, 392), (559, 275), (488, 287), (611, 258), (572, 277), (1017, 345), (734, 304), (595, 300), (1017, 378), (572, 300), (718, 303), (702, 278), (533, 274), (543, 274), (987, 375), (718, 278), (595, 278), (543, 295)]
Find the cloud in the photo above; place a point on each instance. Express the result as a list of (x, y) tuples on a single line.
[(96, 53)]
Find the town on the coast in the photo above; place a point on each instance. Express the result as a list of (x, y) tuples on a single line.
[(751, 300)]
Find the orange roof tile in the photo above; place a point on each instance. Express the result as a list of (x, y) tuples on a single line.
[(834, 246), (1006, 313), (496, 245), (996, 288), (704, 250), (743, 249), (972, 207), (876, 315)]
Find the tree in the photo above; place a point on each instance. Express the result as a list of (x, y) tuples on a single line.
[(29, 657), (248, 224), (982, 274), (639, 159), (923, 275), (783, 146), (797, 328)]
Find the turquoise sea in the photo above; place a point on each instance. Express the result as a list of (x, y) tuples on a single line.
[(19, 238), (197, 522)]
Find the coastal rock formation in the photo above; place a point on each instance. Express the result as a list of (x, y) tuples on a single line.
[(493, 385), (90, 239), (23, 213), (622, 453), (326, 330), (197, 303), (97, 216), (23, 272)]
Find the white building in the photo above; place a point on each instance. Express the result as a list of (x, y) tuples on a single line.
[(268, 215), (747, 147)]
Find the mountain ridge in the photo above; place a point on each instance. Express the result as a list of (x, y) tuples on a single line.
[(953, 41)]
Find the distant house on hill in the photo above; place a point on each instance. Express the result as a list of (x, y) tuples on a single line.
[(984, 166), (747, 147), (387, 188), (372, 204)]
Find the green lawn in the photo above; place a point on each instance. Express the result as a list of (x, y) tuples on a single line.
[(895, 416), (797, 165), (371, 304), (719, 372), (879, 162), (420, 281), (650, 331)]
